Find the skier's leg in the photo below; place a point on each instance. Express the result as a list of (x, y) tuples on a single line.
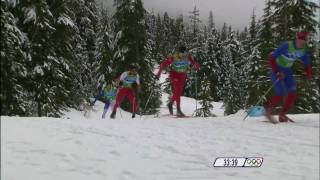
[(105, 109), (276, 99), (119, 99), (133, 101), (174, 85), (112, 103), (279, 93), (173, 98), (292, 96), (180, 88)]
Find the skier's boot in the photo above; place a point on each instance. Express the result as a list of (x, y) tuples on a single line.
[(287, 105), (269, 115), (284, 118), (170, 107), (180, 113), (133, 115), (113, 115), (274, 101)]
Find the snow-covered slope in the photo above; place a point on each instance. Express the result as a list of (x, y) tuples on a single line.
[(79, 148), (157, 148)]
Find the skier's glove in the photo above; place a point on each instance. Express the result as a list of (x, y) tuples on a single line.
[(280, 75)]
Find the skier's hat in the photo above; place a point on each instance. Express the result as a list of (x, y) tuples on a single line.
[(131, 67), (303, 35)]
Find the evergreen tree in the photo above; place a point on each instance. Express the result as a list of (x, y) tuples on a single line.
[(14, 99), (129, 19), (292, 16), (265, 32), (64, 43), (87, 21), (254, 68), (107, 52), (44, 73), (160, 55), (244, 34), (253, 29), (195, 20), (205, 100), (231, 75), (211, 21), (224, 32)]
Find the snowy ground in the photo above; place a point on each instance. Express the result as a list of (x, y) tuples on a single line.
[(82, 148)]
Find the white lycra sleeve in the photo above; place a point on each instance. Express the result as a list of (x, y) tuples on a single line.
[(123, 75), (138, 79)]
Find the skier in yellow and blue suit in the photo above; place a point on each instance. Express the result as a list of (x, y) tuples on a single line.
[(108, 94)]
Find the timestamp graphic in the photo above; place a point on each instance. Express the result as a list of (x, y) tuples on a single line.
[(238, 162)]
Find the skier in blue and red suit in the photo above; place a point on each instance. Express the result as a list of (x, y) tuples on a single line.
[(180, 64), (281, 61)]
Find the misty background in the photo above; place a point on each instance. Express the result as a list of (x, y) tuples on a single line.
[(234, 12)]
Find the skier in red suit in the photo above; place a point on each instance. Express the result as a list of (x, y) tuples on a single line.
[(179, 65)]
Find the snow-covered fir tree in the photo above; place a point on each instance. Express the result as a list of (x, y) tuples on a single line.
[(45, 76), (129, 19), (265, 32), (86, 45), (231, 75), (14, 96), (64, 41), (106, 50), (205, 98), (254, 68)]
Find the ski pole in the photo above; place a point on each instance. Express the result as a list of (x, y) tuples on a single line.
[(262, 97), (121, 113), (196, 84), (145, 107)]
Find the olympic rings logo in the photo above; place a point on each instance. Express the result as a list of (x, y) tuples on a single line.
[(253, 162)]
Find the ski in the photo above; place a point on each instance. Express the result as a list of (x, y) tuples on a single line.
[(182, 116), (267, 121), (174, 116), (271, 119)]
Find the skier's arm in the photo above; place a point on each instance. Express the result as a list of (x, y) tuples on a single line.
[(275, 54), (121, 78), (165, 64), (97, 97), (138, 80), (196, 65), (283, 48), (138, 83), (307, 66)]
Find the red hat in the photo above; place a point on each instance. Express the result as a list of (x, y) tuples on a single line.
[(302, 35)]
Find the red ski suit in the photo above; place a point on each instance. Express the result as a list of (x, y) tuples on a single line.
[(126, 90), (178, 78)]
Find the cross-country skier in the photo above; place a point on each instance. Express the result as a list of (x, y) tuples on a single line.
[(180, 64), (108, 94), (130, 84), (281, 61)]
